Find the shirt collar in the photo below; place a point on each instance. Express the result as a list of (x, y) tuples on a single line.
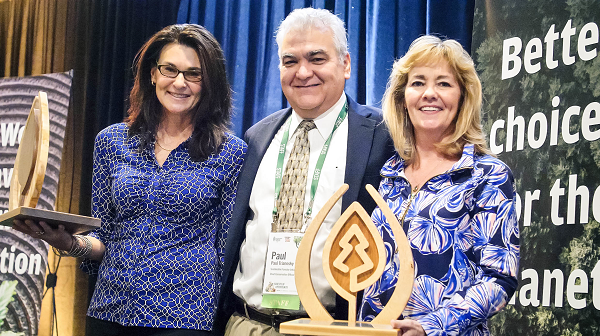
[(467, 159), (394, 167), (325, 121)]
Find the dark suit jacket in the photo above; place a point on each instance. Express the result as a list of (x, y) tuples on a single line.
[(369, 147)]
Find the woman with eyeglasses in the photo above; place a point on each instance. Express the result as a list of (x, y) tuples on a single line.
[(164, 185)]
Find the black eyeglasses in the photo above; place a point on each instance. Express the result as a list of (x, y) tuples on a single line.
[(171, 71)]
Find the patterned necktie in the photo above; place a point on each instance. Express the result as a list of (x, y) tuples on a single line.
[(290, 204)]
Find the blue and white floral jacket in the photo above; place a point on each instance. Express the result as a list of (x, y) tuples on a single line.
[(462, 228)]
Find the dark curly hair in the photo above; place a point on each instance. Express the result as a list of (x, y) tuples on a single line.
[(211, 115)]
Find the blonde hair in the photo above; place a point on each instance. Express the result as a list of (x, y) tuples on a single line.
[(467, 124)]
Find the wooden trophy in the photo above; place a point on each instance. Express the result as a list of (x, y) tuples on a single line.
[(353, 259), (29, 172)]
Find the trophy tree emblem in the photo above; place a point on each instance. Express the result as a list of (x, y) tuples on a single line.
[(353, 259)]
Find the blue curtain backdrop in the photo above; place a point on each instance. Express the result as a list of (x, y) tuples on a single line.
[(379, 31)]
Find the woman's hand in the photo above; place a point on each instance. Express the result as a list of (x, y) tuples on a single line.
[(58, 238), (408, 327)]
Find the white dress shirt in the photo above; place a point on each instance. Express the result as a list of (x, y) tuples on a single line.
[(248, 279)]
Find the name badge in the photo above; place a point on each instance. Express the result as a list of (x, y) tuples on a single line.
[(279, 285)]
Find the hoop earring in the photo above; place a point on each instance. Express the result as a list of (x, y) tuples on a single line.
[(153, 84)]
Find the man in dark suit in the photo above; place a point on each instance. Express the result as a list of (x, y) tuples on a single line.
[(314, 65)]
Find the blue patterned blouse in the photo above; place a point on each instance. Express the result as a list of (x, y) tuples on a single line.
[(164, 229), (462, 228)]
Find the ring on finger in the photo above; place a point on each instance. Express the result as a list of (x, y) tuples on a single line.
[(39, 233)]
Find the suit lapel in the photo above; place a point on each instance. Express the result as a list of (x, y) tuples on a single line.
[(360, 139), (258, 143), (265, 135), (258, 140)]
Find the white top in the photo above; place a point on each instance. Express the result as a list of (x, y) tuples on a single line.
[(248, 279)]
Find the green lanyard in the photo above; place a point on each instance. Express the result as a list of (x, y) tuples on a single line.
[(318, 168)]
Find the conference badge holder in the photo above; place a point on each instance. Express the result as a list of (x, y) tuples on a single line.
[(279, 287)]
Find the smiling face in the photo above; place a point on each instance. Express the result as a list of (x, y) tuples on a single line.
[(432, 97), (177, 95), (312, 76)]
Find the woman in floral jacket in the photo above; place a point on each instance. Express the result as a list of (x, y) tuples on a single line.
[(454, 200)]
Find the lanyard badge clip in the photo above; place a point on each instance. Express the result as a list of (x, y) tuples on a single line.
[(275, 222)]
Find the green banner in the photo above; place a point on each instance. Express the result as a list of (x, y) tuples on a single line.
[(540, 70)]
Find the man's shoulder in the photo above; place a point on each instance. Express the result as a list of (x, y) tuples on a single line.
[(366, 111), (267, 122)]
